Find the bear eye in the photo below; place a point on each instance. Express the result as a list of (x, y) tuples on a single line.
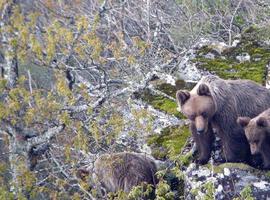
[(204, 114), (256, 141), (192, 117)]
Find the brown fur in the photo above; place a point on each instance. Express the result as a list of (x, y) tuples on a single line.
[(216, 103), (257, 131), (122, 171)]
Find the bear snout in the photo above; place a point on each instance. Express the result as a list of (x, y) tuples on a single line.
[(200, 131), (200, 125), (254, 149)]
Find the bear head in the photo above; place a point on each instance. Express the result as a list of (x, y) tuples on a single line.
[(198, 106), (256, 130)]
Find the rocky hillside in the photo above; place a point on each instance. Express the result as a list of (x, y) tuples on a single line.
[(247, 58)]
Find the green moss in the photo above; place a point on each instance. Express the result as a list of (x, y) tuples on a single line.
[(171, 141), (167, 89), (183, 85), (171, 89), (161, 103), (220, 168), (267, 174), (209, 188), (228, 67), (195, 191), (204, 50), (186, 159), (246, 193)]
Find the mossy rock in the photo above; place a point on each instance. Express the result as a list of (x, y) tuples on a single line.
[(169, 143), (161, 103), (171, 89), (167, 89), (220, 168), (42, 77), (228, 67)]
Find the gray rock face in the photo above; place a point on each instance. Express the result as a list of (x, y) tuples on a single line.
[(215, 182), (187, 70), (267, 84)]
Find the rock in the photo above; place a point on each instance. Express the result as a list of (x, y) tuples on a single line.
[(262, 185), (227, 172), (219, 188), (210, 56), (267, 84), (244, 57), (235, 43), (187, 70)]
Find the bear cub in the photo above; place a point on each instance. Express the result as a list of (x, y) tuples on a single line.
[(257, 131), (123, 171)]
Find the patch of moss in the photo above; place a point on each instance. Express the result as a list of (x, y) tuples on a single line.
[(183, 85), (171, 89), (171, 141), (167, 89), (267, 174), (209, 188), (186, 159), (204, 50), (161, 103), (246, 193), (207, 191), (228, 67), (220, 168)]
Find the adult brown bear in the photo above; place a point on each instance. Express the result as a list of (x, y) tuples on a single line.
[(216, 103), (257, 131), (122, 171)]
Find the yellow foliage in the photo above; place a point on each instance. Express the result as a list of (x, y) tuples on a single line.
[(3, 167), (67, 152), (81, 140), (95, 131), (36, 47), (62, 87), (33, 18), (68, 36), (93, 40), (50, 47), (65, 119), (114, 47), (82, 23), (76, 196), (24, 34), (29, 116), (17, 19), (131, 60), (3, 111)]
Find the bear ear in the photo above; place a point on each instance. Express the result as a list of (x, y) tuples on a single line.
[(262, 122), (182, 96), (203, 90), (243, 121)]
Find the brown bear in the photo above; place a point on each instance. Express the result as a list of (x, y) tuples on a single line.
[(122, 171), (257, 131), (216, 103)]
